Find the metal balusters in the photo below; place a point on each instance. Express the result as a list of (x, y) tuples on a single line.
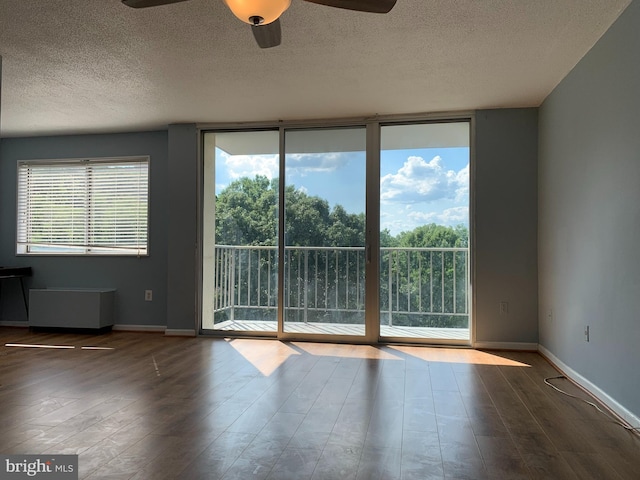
[(239, 282)]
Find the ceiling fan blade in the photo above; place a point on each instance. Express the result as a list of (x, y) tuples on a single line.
[(268, 35), (372, 6), (149, 3)]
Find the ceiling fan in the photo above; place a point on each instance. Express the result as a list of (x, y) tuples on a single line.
[(264, 15)]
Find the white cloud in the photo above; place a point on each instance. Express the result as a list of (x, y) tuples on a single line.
[(450, 216), (239, 166), (304, 163), (268, 165), (462, 192), (420, 181), (406, 219)]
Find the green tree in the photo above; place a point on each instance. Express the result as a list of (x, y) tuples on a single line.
[(346, 229), (246, 212), (387, 240), (307, 219), (421, 278), (424, 278), (435, 236)]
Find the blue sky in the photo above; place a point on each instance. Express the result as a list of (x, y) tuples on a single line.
[(424, 186), (417, 186)]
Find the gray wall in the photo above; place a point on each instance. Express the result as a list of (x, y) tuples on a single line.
[(129, 275), (505, 226), (505, 253), (589, 215), (183, 221)]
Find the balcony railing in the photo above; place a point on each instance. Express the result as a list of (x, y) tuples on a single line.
[(420, 287)]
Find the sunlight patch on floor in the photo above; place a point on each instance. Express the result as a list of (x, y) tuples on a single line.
[(458, 355), (265, 355), (346, 351), (268, 355)]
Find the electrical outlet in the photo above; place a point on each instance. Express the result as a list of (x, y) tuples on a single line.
[(586, 333), (148, 295), (550, 316), (504, 308)]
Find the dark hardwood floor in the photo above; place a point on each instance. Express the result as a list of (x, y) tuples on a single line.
[(145, 406)]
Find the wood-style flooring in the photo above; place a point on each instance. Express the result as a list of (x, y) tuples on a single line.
[(146, 406)]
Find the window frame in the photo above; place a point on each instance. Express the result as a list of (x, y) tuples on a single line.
[(88, 248)]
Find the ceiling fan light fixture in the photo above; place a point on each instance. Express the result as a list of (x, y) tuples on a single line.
[(258, 12)]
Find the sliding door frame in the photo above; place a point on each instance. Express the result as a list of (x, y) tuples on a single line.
[(372, 243), (372, 215), (282, 334)]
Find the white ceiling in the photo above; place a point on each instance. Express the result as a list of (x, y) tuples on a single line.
[(81, 66)]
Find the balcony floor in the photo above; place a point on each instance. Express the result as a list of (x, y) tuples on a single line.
[(458, 334)]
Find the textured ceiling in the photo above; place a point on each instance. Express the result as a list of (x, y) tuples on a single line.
[(80, 66)]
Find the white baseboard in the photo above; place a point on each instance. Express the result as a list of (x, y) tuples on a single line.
[(177, 332), (593, 389), (139, 328), (530, 347)]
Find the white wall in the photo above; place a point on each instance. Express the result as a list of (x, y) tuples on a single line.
[(589, 215)]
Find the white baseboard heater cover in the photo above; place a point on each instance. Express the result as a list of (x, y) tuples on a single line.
[(71, 307)]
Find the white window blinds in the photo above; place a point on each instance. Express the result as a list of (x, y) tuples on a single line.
[(83, 207)]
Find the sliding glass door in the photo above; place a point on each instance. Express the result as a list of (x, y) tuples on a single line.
[(371, 242), (240, 232), (324, 231), (424, 232)]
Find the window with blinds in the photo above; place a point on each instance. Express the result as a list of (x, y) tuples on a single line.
[(97, 206)]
